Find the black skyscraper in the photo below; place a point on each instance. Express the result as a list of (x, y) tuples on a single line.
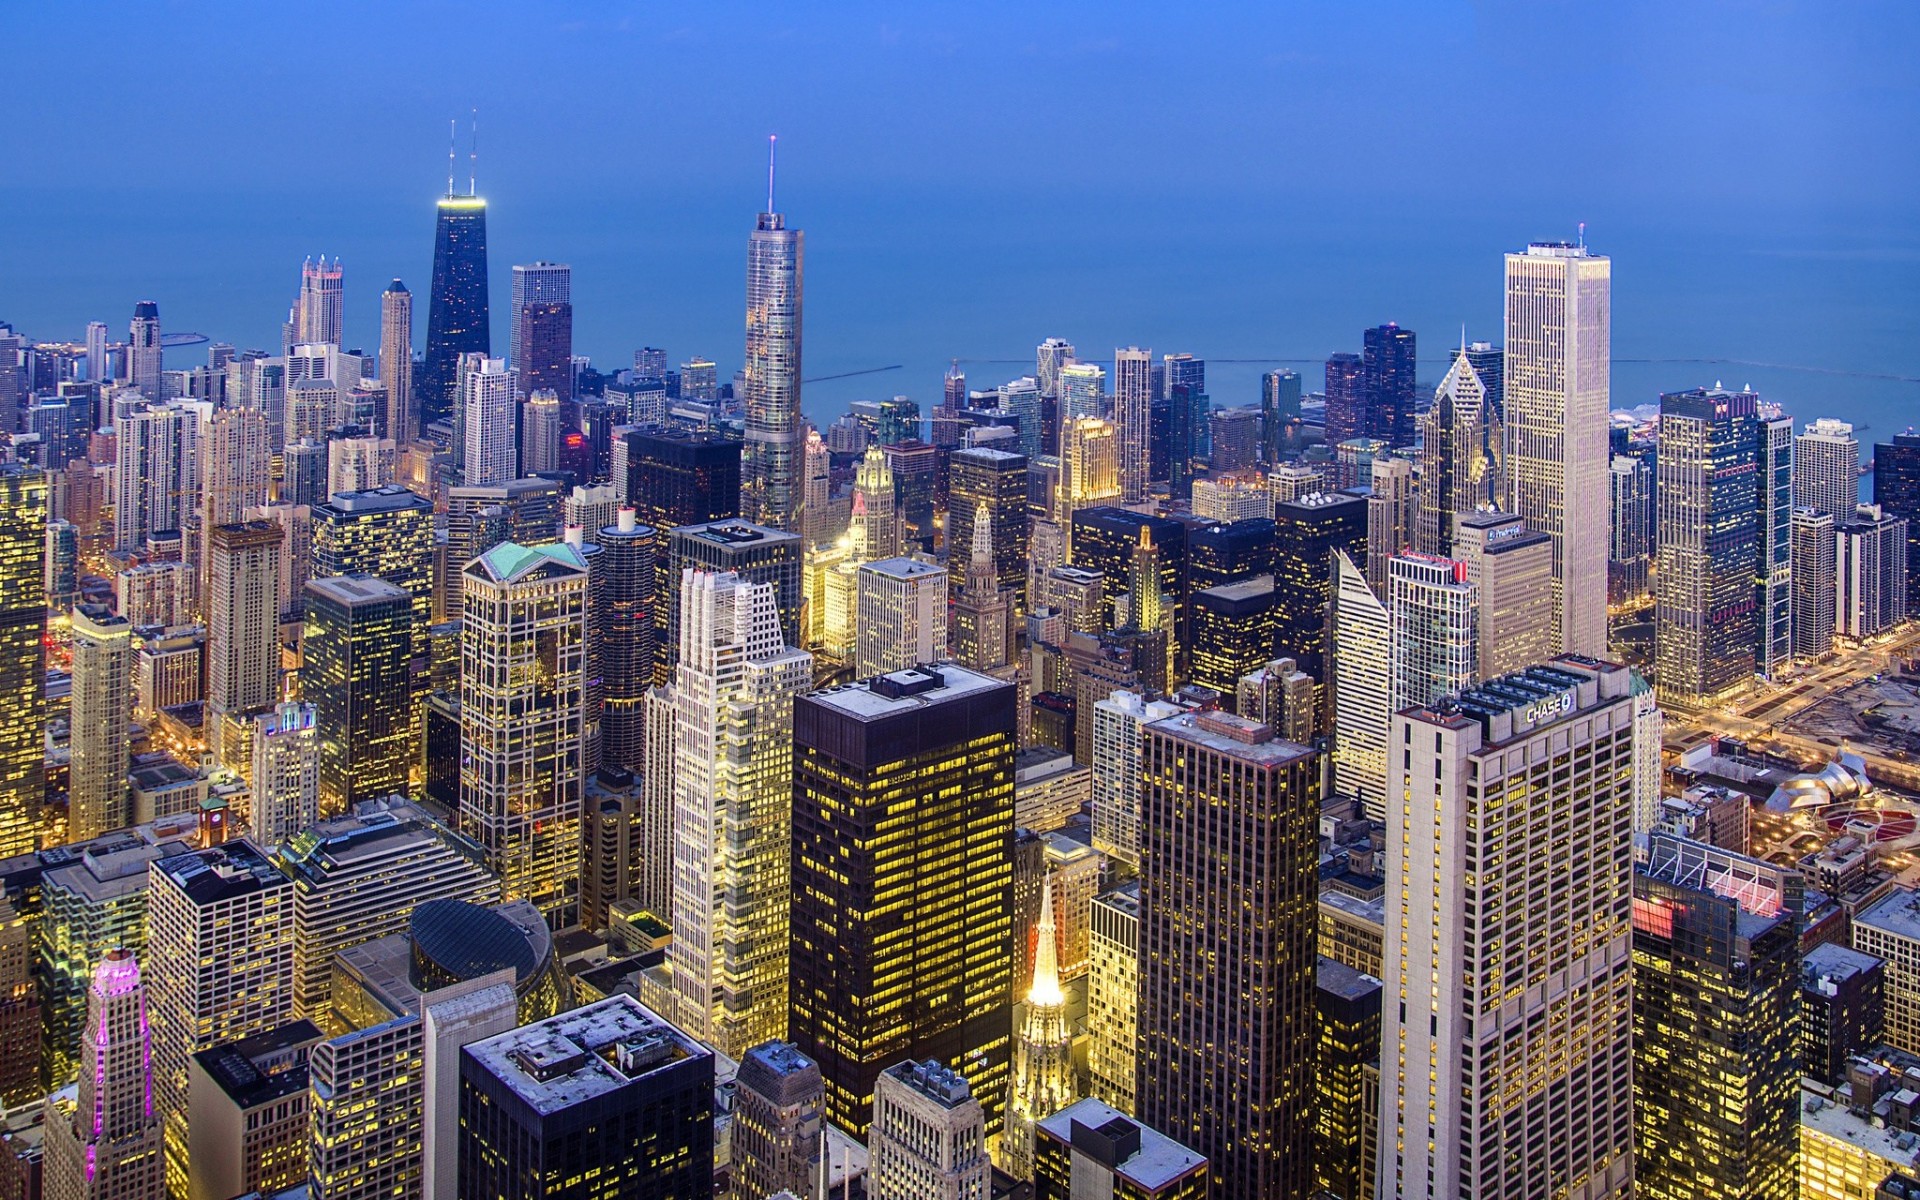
[(457, 309), (1896, 488), (1387, 379)]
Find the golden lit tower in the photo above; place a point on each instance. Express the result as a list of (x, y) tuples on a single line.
[(23, 625), (1042, 1082)]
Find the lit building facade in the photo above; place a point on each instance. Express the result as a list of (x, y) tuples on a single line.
[(101, 703), (770, 373), (109, 1146), (1705, 623), (901, 615), (357, 673)]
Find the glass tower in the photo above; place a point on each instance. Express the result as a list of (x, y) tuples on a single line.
[(770, 467), (23, 623), (457, 306)]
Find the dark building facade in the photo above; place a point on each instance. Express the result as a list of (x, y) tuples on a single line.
[(1279, 411), (997, 479), (605, 1101), (1387, 364), (1306, 533), (1716, 976), (1347, 1034), (457, 306), (1228, 552), (902, 931), (1346, 398), (1232, 632), (915, 466), (1842, 1008), (1105, 538), (1228, 900), (628, 570), (681, 478), (1896, 489), (357, 671)]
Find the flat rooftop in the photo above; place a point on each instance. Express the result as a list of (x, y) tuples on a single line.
[(1897, 912), (1834, 963), (223, 872), (1158, 1162), (904, 690), (1232, 735), (577, 1056), (1339, 979), (903, 567)]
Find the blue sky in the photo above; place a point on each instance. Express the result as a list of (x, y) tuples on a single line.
[(1237, 179)]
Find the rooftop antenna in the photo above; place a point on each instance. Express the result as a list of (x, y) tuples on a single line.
[(473, 155), (452, 126), (1583, 235), (771, 139)]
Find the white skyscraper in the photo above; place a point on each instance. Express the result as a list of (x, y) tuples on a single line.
[(487, 394), (1361, 686), (900, 615), (732, 722), (396, 362), (320, 311), (1117, 722), (100, 707), (1133, 395), (97, 352), (144, 352), (360, 464), (1826, 469), (1081, 389), (1507, 1069), (149, 472), (1434, 610), (286, 773), (876, 526), (1556, 395)]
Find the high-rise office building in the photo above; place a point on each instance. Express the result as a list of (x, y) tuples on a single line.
[(1279, 411), (101, 703), (218, 968), (676, 478), (1387, 364), (605, 1100), (901, 615), (151, 474), (1896, 489), (236, 466), (357, 673), (487, 393), (1512, 567), (1815, 590), (1231, 632), (1113, 994), (940, 738), (779, 1117), (359, 876), (109, 1146), (96, 352), (143, 351), (319, 313), (1347, 1033), (1090, 453), (1716, 1076), (386, 533), (1306, 534), (1489, 362), (1704, 619), (731, 701), (522, 714), (1557, 391), (1043, 1075), (1826, 468), (1049, 358), (983, 619), (1133, 394), (1434, 610), (1227, 886), (753, 552), (243, 629), (1462, 456), (929, 1136), (1476, 954), (1870, 572), (874, 524), (1082, 389), (1630, 529), (1842, 1009), (770, 373), (1346, 398), (1093, 1150), (1361, 692), (540, 344), (1773, 567), (542, 422), (396, 365), (285, 775), (1118, 720), (1393, 515), (629, 568), (457, 304)]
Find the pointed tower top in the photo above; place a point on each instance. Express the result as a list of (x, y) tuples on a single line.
[(982, 535), (772, 138), (1046, 956), (453, 127)]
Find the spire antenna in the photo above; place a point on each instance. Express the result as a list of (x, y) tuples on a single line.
[(473, 155), (453, 125), (772, 138)]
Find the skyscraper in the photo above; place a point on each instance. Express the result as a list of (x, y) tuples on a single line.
[(1557, 392), (109, 1146), (487, 393), (1716, 963), (1630, 529), (99, 710), (243, 630), (542, 424), (1133, 394), (1346, 398), (1870, 572), (902, 615), (875, 525), (1705, 625), (983, 620), (1083, 390), (522, 715), (357, 672), (1826, 468), (680, 478), (1307, 531), (1387, 365), (929, 1136), (770, 465), (285, 791), (1896, 489), (1279, 408), (939, 739), (396, 365), (1814, 583), (1227, 886), (1462, 457), (144, 352), (540, 345), (1118, 720), (1476, 953), (1361, 692), (1512, 566), (1043, 1076), (1393, 515), (151, 474), (219, 968), (732, 703), (319, 312), (628, 564), (1773, 565), (1434, 610), (779, 1116), (457, 304), (755, 553)]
